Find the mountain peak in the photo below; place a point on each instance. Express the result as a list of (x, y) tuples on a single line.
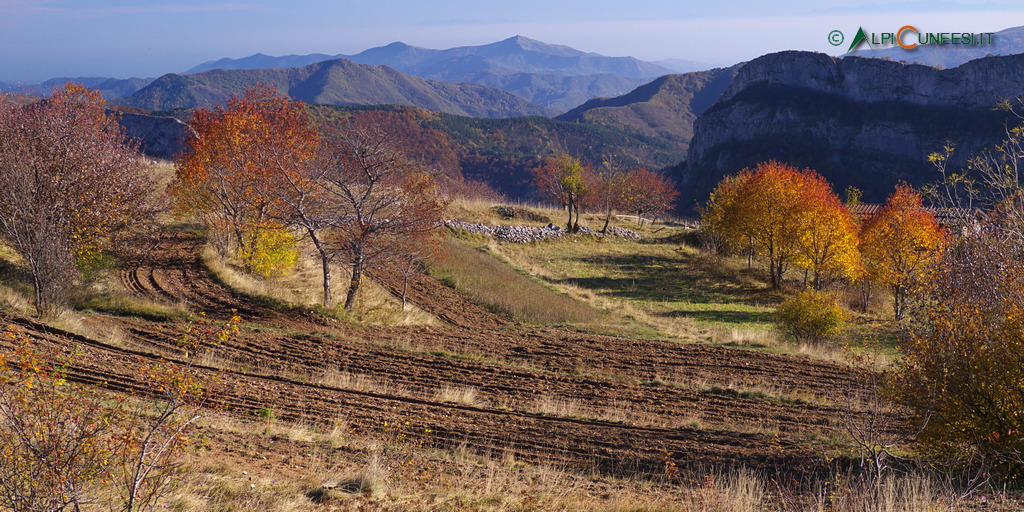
[(532, 45)]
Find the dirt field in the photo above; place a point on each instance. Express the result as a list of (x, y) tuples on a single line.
[(546, 395)]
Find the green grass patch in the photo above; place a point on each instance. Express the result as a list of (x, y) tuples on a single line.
[(498, 286), (668, 283)]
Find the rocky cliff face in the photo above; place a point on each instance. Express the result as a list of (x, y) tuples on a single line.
[(159, 137), (862, 122)]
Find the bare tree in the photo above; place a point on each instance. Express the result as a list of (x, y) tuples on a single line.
[(384, 201)]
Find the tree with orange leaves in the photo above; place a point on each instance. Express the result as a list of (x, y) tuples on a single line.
[(900, 244), (239, 161), (789, 215), (648, 193)]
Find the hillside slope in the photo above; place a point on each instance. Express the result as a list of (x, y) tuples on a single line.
[(665, 108), (335, 82)]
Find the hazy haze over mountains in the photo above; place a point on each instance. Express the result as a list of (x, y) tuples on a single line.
[(551, 75), (333, 82)]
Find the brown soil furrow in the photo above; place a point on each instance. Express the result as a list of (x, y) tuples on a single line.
[(423, 374), (580, 443), (439, 300)]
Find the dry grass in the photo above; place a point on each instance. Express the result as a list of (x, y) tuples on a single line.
[(303, 288), (108, 295), (381, 472), (502, 288), (483, 212), (358, 382), (464, 395)]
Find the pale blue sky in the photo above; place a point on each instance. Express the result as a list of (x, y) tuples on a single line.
[(41, 39)]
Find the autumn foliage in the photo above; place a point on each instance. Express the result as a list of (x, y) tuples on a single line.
[(790, 216), (384, 205), (564, 179), (647, 193), (70, 188), (64, 446), (900, 244), (259, 172), (964, 370), (237, 162)]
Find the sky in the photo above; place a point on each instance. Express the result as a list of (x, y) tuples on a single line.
[(42, 39)]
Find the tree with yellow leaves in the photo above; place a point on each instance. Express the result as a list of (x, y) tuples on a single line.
[(900, 244), (790, 216)]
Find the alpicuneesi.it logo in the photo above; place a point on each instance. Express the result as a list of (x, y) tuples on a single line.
[(909, 37)]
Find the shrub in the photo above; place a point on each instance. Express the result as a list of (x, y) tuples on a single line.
[(64, 445), (271, 253), (810, 316), (964, 369)]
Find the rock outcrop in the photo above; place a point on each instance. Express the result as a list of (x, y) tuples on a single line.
[(159, 137), (862, 122)]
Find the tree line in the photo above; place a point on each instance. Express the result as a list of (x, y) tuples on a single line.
[(958, 290), (571, 184), (793, 218), (256, 172)]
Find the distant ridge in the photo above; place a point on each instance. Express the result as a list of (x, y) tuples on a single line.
[(665, 108), (110, 88), (547, 74), (334, 82)]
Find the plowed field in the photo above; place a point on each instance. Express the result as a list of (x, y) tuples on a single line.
[(581, 401)]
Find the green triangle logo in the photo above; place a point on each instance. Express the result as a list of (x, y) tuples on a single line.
[(858, 39)]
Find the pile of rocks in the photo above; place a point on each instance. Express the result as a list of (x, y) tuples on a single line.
[(527, 234), (628, 234)]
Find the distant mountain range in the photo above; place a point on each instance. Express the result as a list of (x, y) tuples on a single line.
[(334, 82), (683, 65), (110, 88), (550, 75), (513, 55), (1006, 42)]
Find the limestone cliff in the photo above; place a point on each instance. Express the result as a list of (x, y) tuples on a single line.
[(862, 122)]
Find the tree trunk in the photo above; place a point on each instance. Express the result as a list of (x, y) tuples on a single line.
[(325, 261), (607, 219), (353, 287), (37, 287), (898, 301), (576, 225), (568, 225), (405, 292)]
